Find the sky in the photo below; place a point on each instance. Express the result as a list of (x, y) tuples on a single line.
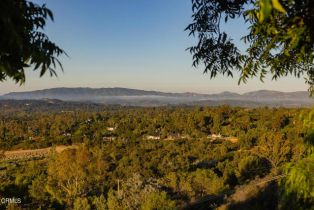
[(133, 44)]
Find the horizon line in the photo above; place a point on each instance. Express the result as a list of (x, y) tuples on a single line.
[(154, 90)]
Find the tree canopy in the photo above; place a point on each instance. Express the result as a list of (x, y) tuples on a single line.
[(280, 39), (268, 166), (23, 43)]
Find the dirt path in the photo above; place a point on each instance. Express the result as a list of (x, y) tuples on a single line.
[(31, 153)]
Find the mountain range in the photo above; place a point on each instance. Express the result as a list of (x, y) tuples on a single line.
[(126, 96)]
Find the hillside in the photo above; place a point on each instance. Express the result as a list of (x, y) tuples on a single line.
[(135, 97)]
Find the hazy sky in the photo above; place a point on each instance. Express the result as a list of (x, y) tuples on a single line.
[(134, 44)]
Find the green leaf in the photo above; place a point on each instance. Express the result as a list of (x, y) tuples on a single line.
[(278, 6), (265, 10)]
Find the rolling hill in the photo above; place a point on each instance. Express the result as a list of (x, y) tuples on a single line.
[(126, 96)]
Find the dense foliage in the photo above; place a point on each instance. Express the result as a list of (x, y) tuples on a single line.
[(280, 39), (23, 43), (159, 158)]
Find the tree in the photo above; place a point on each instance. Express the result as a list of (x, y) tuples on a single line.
[(158, 200), (280, 121), (75, 173), (37, 189), (299, 183), (100, 203), (274, 148), (206, 182), (23, 43), (136, 192), (280, 39), (81, 203)]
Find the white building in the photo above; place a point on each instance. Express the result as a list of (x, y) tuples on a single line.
[(153, 137)]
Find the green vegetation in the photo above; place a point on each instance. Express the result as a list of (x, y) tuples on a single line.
[(166, 158), (279, 42), (23, 43), (160, 158)]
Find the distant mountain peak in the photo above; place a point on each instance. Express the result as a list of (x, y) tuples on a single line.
[(124, 96), (226, 93)]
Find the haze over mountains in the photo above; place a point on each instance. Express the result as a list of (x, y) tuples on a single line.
[(126, 96)]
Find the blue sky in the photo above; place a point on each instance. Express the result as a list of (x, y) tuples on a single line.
[(134, 44)]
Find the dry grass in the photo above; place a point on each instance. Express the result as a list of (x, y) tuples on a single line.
[(32, 153), (257, 194)]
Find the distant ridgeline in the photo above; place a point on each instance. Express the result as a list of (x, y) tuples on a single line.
[(134, 97)]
